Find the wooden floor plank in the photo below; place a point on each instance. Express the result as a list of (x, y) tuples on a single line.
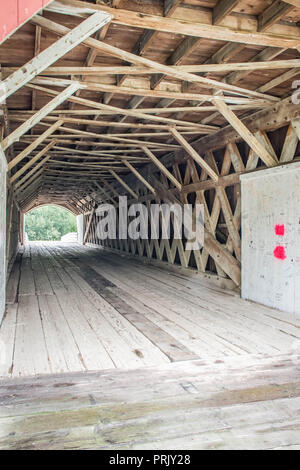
[(154, 300), (94, 355), (122, 353), (30, 355), (93, 310), (147, 352), (7, 340), (59, 338), (256, 338), (27, 285), (253, 404), (13, 283), (112, 294)]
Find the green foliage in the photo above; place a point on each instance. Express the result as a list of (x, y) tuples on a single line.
[(49, 223)]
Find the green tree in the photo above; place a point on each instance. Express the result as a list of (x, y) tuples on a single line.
[(49, 223)]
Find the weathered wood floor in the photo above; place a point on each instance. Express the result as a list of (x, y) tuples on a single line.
[(241, 402), (177, 364), (74, 308)]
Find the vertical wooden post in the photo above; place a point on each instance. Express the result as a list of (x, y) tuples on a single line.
[(22, 228), (3, 171), (9, 211), (88, 225)]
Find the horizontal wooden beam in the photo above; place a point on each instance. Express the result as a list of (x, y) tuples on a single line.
[(141, 70), (101, 106), (167, 110), (198, 25), (134, 59), (239, 97)]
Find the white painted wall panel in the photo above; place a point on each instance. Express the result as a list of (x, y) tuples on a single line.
[(271, 204), (80, 228), (3, 170)]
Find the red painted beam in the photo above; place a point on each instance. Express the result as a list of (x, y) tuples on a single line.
[(14, 13)]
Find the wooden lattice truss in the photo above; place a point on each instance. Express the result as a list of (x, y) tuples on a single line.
[(159, 100), (221, 200)]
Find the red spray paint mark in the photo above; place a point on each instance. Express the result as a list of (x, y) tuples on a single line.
[(279, 229), (279, 252)]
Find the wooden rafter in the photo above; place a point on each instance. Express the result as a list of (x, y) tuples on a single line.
[(251, 140), (223, 8), (122, 182), (162, 168), (192, 152), (50, 55), (127, 56), (39, 115), (273, 14), (92, 158), (34, 145), (141, 70), (139, 176), (32, 162), (188, 28)]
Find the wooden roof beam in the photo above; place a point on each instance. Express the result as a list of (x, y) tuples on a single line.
[(139, 176), (37, 50), (223, 8), (192, 152), (31, 172), (162, 168), (244, 132), (122, 182), (142, 45), (170, 6), (101, 106), (273, 13), (127, 56), (42, 113), (29, 183), (31, 162), (92, 112), (238, 95), (196, 28), (50, 55), (34, 145), (208, 66)]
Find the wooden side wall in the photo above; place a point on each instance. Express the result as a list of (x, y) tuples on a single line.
[(14, 237), (221, 254), (3, 170)]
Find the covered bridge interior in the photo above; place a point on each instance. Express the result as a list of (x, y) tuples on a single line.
[(169, 102)]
